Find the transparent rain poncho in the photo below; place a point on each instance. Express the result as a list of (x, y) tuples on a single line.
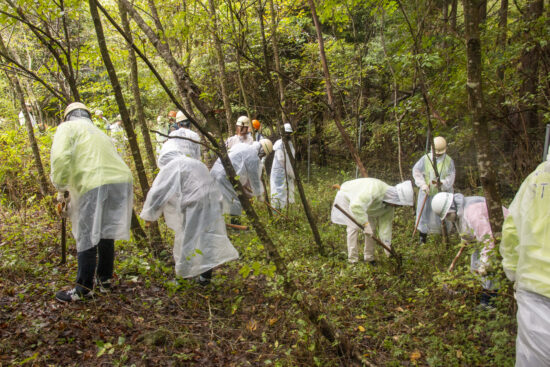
[(525, 250), (282, 175), (190, 149), (363, 198), (424, 174), (238, 139), (191, 202), (248, 168), (85, 163)]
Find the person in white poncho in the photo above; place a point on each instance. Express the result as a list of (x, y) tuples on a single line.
[(282, 174), (370, 201), (187, 147), (85, 163), (246, 162), (191, 202)]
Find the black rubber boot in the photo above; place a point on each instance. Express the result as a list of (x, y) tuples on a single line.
[(423, 238)]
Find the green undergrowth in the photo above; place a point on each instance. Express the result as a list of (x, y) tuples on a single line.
[(420, 315)]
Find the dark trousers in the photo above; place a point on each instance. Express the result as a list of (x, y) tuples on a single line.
[(102, 257)]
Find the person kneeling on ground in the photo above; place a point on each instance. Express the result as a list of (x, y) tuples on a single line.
[(191, 202), (471, 218), (370, 201), (85, 163)]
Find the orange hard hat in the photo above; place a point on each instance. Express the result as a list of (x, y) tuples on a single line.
[(256, 124), (172, 114)]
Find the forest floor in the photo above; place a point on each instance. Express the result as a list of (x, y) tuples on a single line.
[(419, 316)]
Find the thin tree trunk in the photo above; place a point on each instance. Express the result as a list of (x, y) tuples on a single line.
[(42, 180), (134, 148), (277, 63), (328, 85), (221, 67), (134, 85), (474, 86), (271, 86)]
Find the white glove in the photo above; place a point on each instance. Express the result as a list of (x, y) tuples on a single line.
[(425, 188)]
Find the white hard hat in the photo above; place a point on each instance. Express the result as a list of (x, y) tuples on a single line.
[(440, 145), (243, 121), (180, 116), (441, 203), (405, 192), (267, 146), (98, 112), (75, 106), (288, 128)]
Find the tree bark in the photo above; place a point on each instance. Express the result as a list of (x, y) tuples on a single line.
[(221, 68), (328, 85), (134, 148), (474, 86), (134, 85)]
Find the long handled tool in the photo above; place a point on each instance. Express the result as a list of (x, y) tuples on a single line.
[(389, 249), (236, 226), (420, 214), (62, 210), (460, 251)]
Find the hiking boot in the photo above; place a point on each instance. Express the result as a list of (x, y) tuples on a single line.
[(423, 237), (202, 281), (72, 295), (372, 263)]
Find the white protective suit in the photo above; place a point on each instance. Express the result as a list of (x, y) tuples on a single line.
[(366, 200), (191, 202), (282, 176), (238, 139), (85, 163), (424, 174), (525, 250), (248, 168), (187, 147)]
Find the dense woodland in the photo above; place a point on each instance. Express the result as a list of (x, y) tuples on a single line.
[(365, 85)]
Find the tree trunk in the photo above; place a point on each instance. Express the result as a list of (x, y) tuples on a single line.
[(134, 148), (328, 85), (529, 71), (134, 84), (221, 68), (277, 63), (474, 86)]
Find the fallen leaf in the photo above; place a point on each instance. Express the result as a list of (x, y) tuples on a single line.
[(361, 329), (415, 356), (272, 321), (252, 325)]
